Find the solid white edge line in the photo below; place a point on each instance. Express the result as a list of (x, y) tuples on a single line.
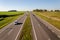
[(20, 29), (33, 28), (58, 36), (52, 26), (49, 39)]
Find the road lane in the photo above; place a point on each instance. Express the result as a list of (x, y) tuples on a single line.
[(11, 32), (42, 32)]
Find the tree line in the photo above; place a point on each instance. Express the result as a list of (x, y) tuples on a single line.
[(45, 10)]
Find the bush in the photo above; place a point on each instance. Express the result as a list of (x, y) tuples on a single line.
[(12, 11), (57, 10)]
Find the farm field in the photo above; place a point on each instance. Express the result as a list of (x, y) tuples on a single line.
[(8, 17), (51, 17)]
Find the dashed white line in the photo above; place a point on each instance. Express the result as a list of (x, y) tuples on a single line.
[(7, 26), (10, 31)]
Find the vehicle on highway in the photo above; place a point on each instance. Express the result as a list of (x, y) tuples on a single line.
[(18, 23), (33, 15)]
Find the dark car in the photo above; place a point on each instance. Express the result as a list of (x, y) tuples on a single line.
[(33, 15), (17, 23)]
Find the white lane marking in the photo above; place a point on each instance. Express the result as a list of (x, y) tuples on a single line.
[(33, 28), (10, 31), (58, 36), (49, 39), (52, 27), (34, 33), (7, 26), (20, 29), (6, 34), (52, 31)]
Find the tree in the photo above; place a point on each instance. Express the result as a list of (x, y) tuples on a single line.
[(12, 11), (45, 10), (38, 10), (57, 10), (51, 10)]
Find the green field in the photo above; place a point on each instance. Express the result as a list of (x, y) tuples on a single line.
[(26, 31), (56, 23), (11, 16), (9, 13)]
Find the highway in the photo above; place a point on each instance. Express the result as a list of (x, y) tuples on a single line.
[(12, 31), (40, 31)]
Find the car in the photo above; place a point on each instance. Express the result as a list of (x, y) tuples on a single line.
[(18, 23), (33, 15)]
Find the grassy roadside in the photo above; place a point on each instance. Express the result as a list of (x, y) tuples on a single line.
[(51, 14), (8, 20), (10, 13), (26, 31), (53, 22)]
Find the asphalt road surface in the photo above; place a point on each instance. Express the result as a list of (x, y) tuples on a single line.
[(11, 32), (41, 32)]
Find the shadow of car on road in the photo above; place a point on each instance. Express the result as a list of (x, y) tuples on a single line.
[(18, 23)]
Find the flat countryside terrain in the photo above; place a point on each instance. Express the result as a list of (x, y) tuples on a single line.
[(8, 17), (29, 19), (28, 27), (51, 17)]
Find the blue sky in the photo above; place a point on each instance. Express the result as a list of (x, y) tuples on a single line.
[(29, 4)]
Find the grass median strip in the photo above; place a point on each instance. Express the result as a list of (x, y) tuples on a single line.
[(53, 22), (26, 31)]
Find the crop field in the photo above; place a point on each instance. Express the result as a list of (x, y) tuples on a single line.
[(26, 31), (8, 17), (52, 14), (51, 17)]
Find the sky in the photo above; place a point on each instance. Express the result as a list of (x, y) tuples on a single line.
[(25, 5)]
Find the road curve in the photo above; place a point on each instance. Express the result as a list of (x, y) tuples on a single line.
[(11, 32), (41, 32)]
